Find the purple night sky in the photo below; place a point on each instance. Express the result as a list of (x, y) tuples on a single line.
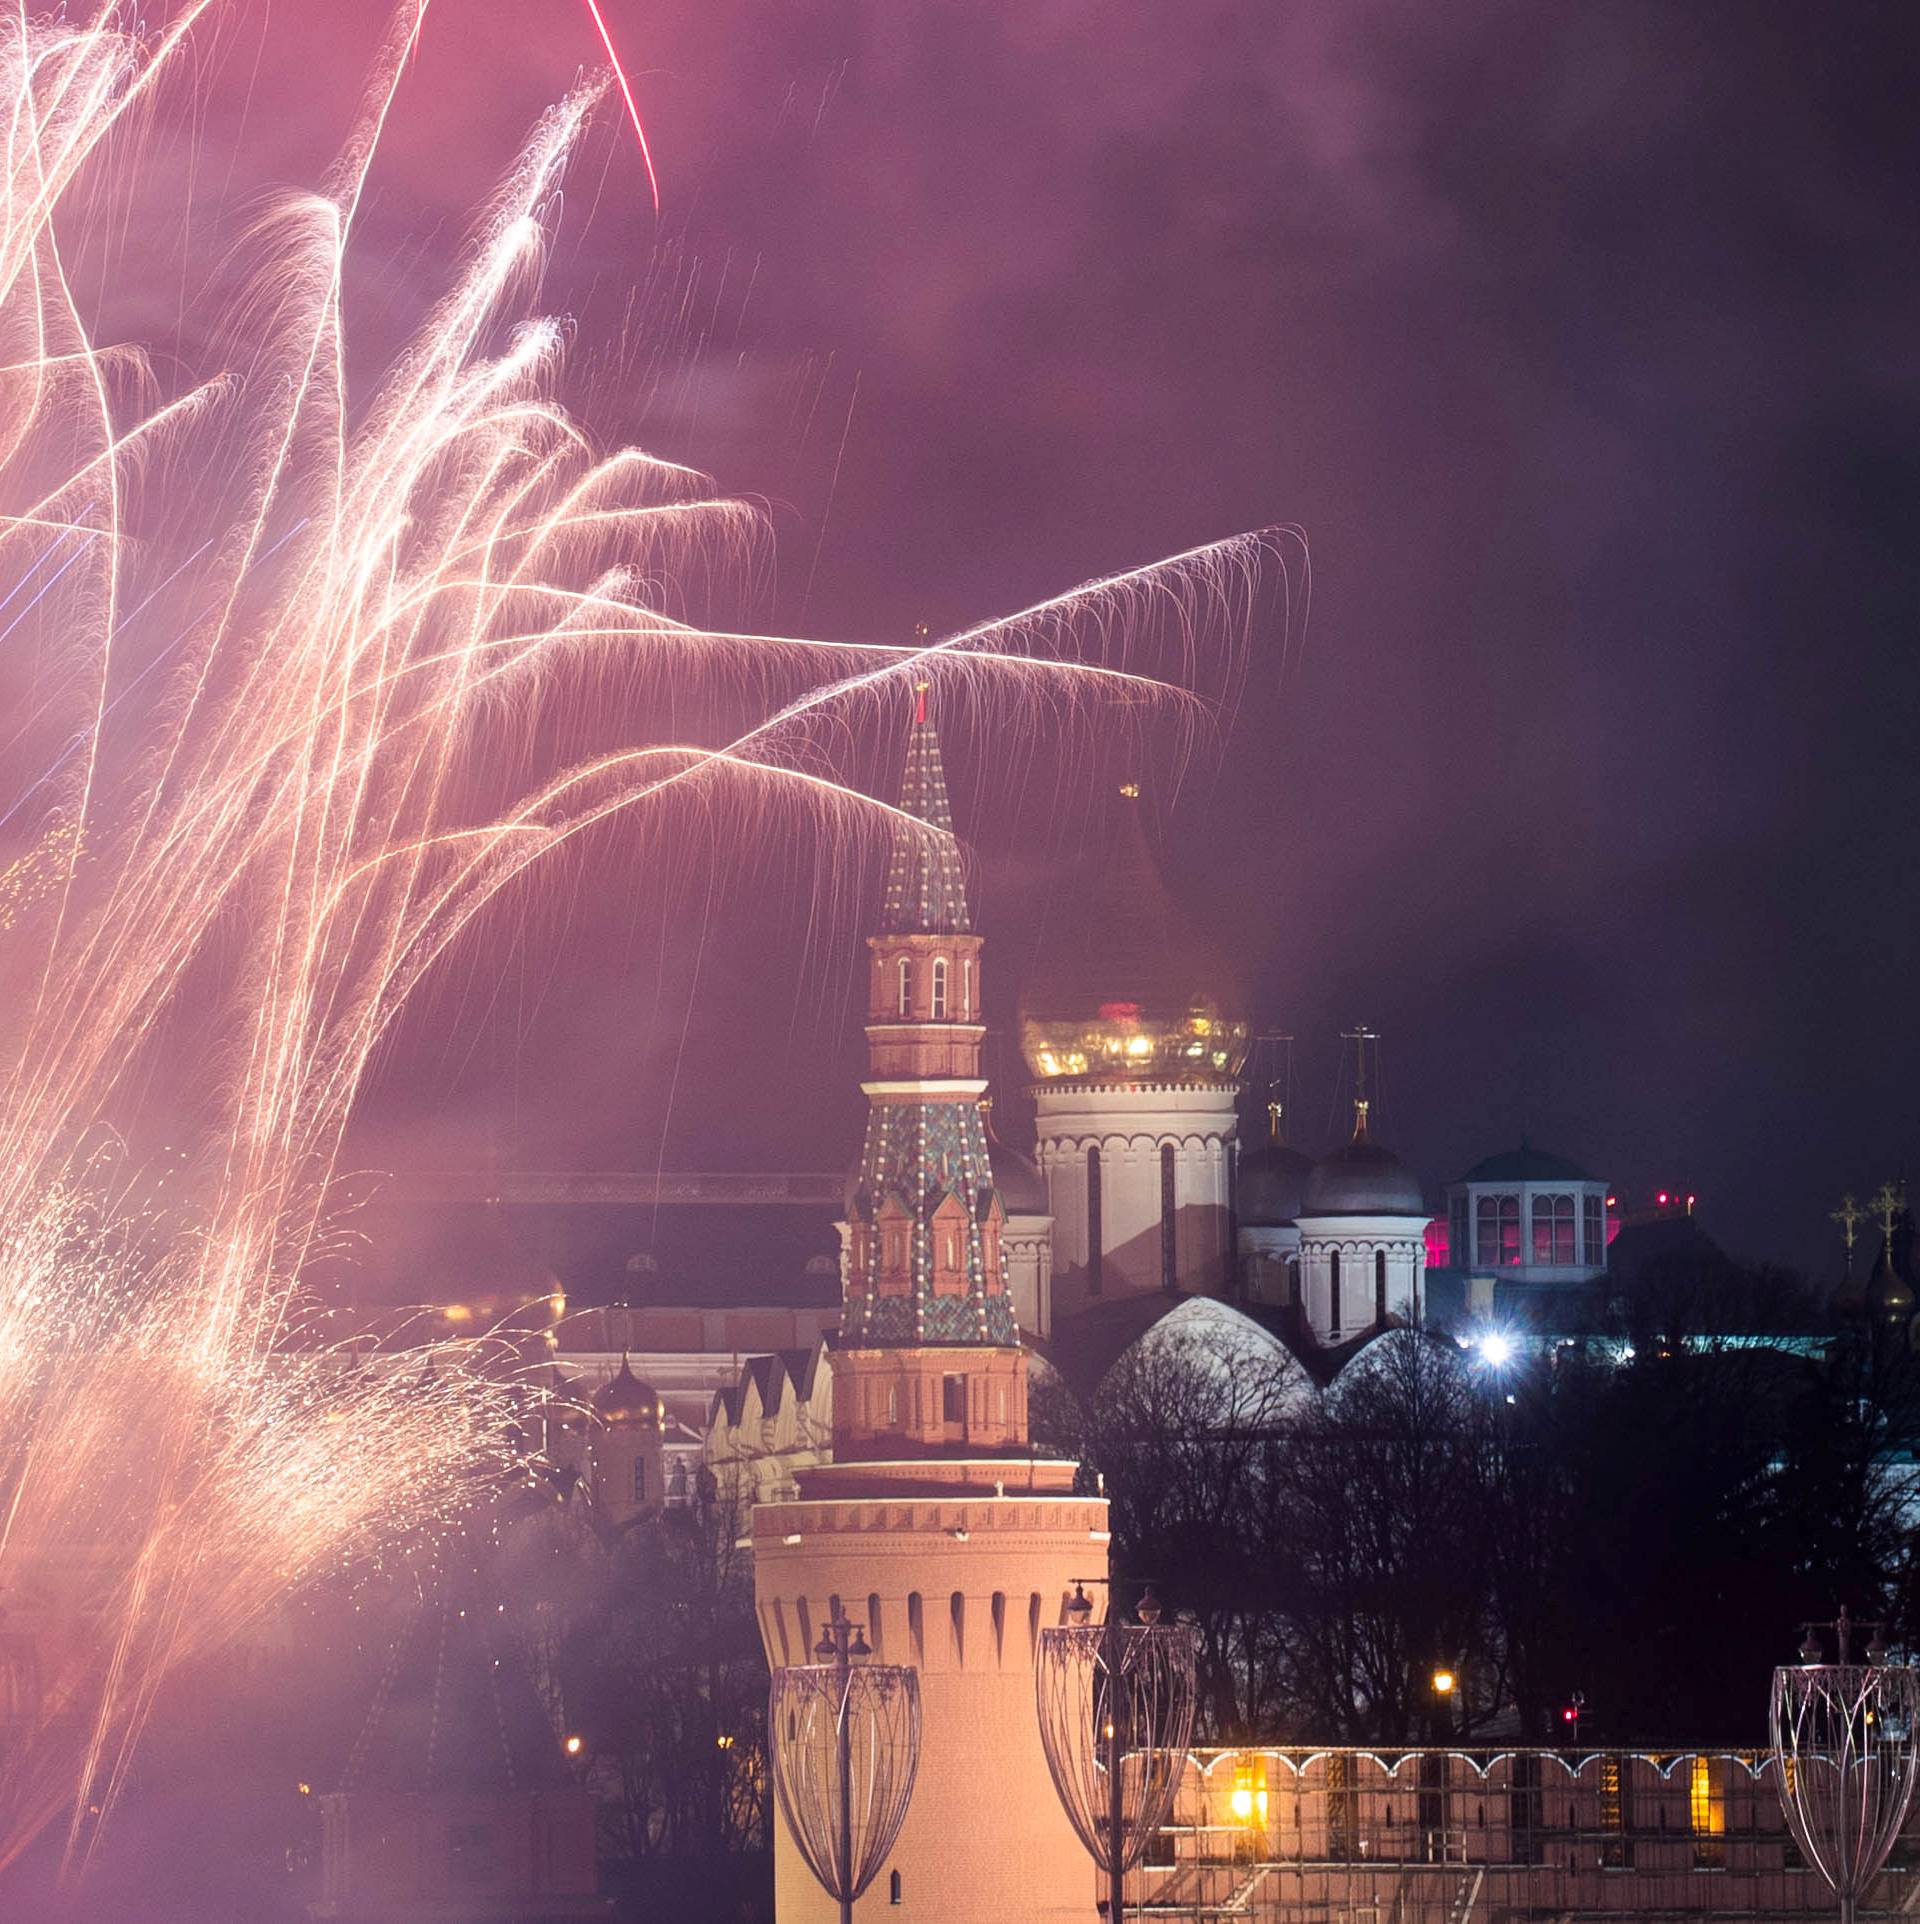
[(1579, 340)]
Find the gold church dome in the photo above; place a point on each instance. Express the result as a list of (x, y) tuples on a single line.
[(625, 1399), (1127, 989)]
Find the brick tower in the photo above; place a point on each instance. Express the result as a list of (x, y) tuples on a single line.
[(935, 1525)]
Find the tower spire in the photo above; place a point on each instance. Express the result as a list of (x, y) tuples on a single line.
[(926, 882)]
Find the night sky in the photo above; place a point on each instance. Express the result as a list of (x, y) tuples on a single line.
[(1579, 340)]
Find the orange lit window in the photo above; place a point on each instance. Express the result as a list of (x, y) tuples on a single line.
[(1706, 1815)]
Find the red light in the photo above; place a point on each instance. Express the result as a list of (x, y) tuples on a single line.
[(1691, 1201), (1613, 1202), (1570, 1715), (1661, 1198)]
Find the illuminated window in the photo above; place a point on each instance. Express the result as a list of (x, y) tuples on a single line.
[(905, 978), (1707, 1815), (1594, 1231), (939, 988), (1553, 1229), (1614, 1814), (1497, 1231)]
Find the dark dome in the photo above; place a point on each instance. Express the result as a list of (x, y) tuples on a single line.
[(625, 1399), (1525, 1164), (1363, 1179), (1271, 1182), (1023, 1191), (1126, 989)]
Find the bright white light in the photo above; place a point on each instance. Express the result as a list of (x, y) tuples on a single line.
[(1496, 1349)]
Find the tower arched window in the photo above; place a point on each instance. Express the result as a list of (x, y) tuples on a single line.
[(1379, 1285), (939, 988), (1096, 1252), (1169, 1240), (1333, 1290), (966, 990), (904, 975)]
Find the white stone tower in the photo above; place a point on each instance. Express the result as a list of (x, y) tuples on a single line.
[(1135, 1035)]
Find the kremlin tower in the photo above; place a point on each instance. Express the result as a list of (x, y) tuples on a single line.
[(935, 1526)]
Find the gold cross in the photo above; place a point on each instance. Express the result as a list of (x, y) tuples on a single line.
[(1849, 1216), (1888, 1201)]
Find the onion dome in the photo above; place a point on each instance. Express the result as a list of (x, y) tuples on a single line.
[(1128, 990), (624, 1399), (1271, 1184), (1363, 1179), (1889, 1294), (1016, 1178), (1023, 1190)]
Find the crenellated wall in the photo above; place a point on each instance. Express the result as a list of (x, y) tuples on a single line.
[(958, 1584)]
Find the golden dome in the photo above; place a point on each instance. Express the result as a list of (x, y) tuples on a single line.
[(624, 1399), (1128, 990)]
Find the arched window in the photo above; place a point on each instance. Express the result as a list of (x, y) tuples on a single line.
[(893, 1887), (1096, 1254), (1169, 1241), (905, 971), (966, 990), (1594, 1232), (939, 988), (1333, 1291), (640, 1479), (1553, 1229), (893, 1405), (1379, 1285), (1497, 1231)]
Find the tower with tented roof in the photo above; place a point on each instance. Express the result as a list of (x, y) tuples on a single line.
[(935, 1527), (928, 1356)]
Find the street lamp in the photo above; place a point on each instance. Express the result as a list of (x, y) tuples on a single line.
[(1844, 1755), (844, 1738), (1443, 1681), (1116, 1716)]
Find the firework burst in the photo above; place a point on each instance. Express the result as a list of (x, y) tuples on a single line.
[(263, 640)]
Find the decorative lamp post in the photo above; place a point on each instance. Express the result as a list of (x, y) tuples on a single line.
[(1844, 1750), (1116, 1714), (844, 1736)]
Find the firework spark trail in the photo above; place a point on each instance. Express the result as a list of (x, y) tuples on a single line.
[(238, 880), (626, 93)]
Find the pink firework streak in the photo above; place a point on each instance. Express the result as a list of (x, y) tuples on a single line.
[(626, 94)]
